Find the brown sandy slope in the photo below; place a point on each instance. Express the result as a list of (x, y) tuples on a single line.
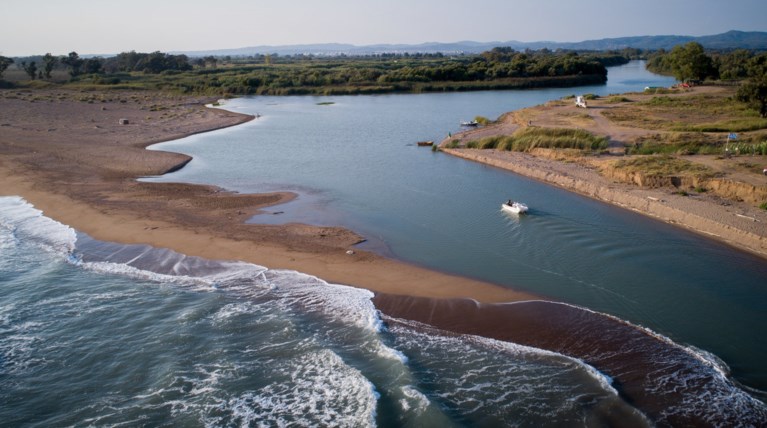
[(66, 153), (733, 220)]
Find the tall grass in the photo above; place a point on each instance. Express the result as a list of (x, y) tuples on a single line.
[(664, 165), (696, 144), (528, 139), (733, 125)]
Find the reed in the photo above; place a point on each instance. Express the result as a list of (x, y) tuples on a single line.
[(528, 139)]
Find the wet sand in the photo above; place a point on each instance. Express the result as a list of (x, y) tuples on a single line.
[(67, 154), (669, 384)]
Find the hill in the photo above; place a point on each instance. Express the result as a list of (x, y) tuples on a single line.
[(755, 40)]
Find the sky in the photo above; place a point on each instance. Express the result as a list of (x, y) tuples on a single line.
[(31, 27)]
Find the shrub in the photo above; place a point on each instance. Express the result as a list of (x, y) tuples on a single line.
[(527, 139), (482, 120), (618, 99)]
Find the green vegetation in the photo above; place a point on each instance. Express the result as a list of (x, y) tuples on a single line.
[(500, 68), (754, 91), (5, 62), (482, 120), (695, 143), (528, 139), (615, 99), (763, 206), (691, 63), (664, 165), (733, 125), (696, 113)]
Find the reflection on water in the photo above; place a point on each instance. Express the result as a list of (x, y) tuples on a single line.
[(354, 164)]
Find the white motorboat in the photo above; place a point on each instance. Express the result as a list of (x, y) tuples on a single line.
[(472, 123), (514, 207)]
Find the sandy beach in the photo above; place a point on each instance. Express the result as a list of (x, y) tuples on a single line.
[(728, 213), (67, 153)]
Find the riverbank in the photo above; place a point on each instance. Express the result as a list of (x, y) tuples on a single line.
[(67, 153), (733, 220)]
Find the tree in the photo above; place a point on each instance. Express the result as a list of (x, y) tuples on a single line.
[(732, 66), (93, 66), (754, 92), (691, 62), (74, 62), (49, 62), (5, 62), (31, 69)]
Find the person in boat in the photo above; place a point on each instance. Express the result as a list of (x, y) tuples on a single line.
[(510, 202)]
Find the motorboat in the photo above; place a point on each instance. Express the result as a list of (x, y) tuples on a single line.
[(514, 207), (472, 123), (425, 143)]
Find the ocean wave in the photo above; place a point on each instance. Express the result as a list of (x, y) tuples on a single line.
[(24, 222), (322, 391), (480, 378)]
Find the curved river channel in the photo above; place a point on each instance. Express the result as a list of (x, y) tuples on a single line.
[(656, 325)]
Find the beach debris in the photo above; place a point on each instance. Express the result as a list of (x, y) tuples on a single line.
[(747, 217), (350, 252), (124, 122), (580, 102)]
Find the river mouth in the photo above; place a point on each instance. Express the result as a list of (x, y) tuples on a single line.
[(355, 163)]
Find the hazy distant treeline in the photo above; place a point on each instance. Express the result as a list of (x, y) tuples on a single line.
[(498, 68)]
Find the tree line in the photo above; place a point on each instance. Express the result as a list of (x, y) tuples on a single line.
[(691, 62), (153, 63), (499, 68)]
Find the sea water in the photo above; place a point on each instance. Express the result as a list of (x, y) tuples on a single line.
[(354, 163), (94, 333)]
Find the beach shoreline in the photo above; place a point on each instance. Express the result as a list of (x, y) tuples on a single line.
[(66, 153)]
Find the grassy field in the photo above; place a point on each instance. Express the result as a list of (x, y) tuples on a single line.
[(695, 113), (664, 165), (694, 124)]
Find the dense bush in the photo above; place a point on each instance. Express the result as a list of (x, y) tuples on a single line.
[(500, 68), (530, 138)]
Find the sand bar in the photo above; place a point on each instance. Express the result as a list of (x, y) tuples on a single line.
[(67, 153)]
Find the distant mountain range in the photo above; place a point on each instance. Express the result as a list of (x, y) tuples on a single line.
[(730, 40)]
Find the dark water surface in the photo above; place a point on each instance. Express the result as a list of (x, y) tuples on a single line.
[(96, 333), (354, 163)]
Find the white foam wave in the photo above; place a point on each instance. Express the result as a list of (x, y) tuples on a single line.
[(196, 283), (701, 355), (341, 302), (322, 391), (24, 222), (413, 400), (720, 395)]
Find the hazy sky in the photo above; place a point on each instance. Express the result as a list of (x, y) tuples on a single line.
[(107, 26)]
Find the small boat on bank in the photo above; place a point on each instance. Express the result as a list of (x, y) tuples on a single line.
[(472, 123), (425, 143), (514, 207)]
